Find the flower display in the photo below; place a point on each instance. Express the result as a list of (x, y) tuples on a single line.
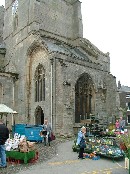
[(124, 142)]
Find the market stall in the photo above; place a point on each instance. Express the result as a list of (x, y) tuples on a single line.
[(20, 156), (18, 150), (105, 146), (5, 110)]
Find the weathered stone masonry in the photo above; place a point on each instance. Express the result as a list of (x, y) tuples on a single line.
[(78, 81)]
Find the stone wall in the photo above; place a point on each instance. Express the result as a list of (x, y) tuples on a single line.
[(44, 15), (50, 33), (1, 20), (2, 46)]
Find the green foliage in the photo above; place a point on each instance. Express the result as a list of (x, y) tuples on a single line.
[(110, 133), (74, 141), (124, 138), (124, 111), (75, 148)]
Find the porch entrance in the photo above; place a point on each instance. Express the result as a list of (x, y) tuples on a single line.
[(39, 116), (84, 98)]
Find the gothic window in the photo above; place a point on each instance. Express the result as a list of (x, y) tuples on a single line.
[(15, 14), (39, 83), (84, 98), (14, 7)]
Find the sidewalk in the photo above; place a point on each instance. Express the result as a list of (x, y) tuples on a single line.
[(66, 162)]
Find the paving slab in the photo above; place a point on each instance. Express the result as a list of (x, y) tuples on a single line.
[(66, 162)]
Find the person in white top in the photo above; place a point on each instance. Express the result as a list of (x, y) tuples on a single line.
[(46, 132)]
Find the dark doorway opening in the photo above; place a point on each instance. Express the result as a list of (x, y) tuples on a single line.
[(39, 116), (84, 98)]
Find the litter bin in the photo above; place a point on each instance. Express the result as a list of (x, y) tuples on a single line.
[(32, 133), (19, 128)]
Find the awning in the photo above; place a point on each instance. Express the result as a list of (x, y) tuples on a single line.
[(5, 109)]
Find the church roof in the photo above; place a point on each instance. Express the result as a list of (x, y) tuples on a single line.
[(66, 49)]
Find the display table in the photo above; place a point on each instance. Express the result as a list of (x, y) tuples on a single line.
[(103, 146), (25, 156)]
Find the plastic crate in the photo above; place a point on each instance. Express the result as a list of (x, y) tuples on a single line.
[(32, 133)]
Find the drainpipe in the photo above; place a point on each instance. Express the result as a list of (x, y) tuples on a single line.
[(13, 101), (2, 94), (51, 93)]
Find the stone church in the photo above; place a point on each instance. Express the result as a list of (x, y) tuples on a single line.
[(48, 70)]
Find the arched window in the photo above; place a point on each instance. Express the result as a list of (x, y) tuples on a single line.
[(15, 14), (39, 83)]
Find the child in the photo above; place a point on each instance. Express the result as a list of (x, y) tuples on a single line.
[(117, 124)]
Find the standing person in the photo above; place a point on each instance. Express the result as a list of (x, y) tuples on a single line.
[(81, 137), (117, 124), (4, 135), (47, 132), (121, 124)]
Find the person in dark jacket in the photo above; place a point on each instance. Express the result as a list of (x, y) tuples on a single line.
[(121, 124), (4, 135)]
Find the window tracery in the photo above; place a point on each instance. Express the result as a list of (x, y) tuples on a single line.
[(15, 14), (40, 83), (14, 7)]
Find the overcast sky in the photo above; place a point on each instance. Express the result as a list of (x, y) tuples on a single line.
[(107, 25)]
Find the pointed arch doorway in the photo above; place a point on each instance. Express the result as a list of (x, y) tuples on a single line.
[(84, 98), (39, 116)]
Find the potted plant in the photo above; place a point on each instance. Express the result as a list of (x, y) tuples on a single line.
[(124, 143)]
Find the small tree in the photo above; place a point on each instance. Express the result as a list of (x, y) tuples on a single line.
[(124, 113)]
